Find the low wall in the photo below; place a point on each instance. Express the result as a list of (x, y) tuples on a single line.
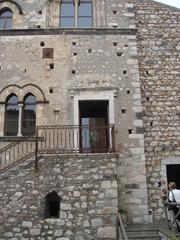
[(87, 186)]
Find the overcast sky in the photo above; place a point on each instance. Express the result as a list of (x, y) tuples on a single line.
[(175, 3)]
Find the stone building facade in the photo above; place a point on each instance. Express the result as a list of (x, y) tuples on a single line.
[(120, 70)]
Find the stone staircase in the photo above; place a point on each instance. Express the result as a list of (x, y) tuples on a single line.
[(16, 152), (155, 231), (142, 232)]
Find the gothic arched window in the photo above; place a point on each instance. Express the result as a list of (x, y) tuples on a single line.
[(29, 115), (85, 14), (76, 14), (52, 205), (67, 13), (6, 17), (11, 116)]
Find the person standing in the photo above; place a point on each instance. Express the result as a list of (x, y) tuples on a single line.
[(174, 196)]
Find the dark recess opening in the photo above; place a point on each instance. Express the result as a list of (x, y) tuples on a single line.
[(173, 174), (52, 205)]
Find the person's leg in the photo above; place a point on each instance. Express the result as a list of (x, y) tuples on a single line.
[(172, 217), (176, 210)]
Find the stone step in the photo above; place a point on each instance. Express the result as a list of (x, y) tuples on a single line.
[(143, 235), (142, 232), (144, 238)]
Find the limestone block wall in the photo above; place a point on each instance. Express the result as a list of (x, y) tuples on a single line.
[(80, 62), (27, 14), (46, 14), (159, 46), (88, 62), (87, 186), (120, 14)]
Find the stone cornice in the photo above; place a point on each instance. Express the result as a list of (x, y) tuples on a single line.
[(73, 31)]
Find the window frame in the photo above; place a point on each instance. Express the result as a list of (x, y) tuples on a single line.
[(76, 16), (66, 16), (29, 120), (6, 128), (5, 19), (81, 2)]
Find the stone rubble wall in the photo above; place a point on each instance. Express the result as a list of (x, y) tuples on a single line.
[(87, 186), (158, 42)]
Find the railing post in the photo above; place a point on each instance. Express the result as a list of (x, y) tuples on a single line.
[(36, 150)]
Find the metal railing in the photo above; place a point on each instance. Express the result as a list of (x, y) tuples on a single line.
[(16, 152), (172, 214), (121, 232), (62, 139), (54, 139)]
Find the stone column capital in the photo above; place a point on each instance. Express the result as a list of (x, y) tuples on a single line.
[(20, 104)]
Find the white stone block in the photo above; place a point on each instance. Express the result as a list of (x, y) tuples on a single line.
[(107, 233), (106, 184), (58, 233), (138, 123), (137, 150), (97, 222), (27, 224)]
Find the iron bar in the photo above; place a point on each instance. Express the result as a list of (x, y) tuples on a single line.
[(75, 138), (59, 139)]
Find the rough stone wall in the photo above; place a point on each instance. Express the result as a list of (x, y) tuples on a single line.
[(158, 42), (87, 186), (100, 62), (33, 13), (42, 14)]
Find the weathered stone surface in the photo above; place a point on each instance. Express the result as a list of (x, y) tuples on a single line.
[(107, 233), (141, 71), (79, 206)]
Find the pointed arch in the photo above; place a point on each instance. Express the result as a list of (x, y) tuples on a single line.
[(22, 91), (13, 3), (6, 18)]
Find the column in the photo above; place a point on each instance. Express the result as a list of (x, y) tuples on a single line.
[(57, 4), (94, 13), (54, 13), (2, 114), (76, 2), (103, 13), (20, 120)]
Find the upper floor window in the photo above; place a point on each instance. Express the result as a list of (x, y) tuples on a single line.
[(67, 14), (85, 13), (6, 19), (76, 14)]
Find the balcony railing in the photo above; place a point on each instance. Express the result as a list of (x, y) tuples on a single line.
[(75, 139), (58, 140)]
